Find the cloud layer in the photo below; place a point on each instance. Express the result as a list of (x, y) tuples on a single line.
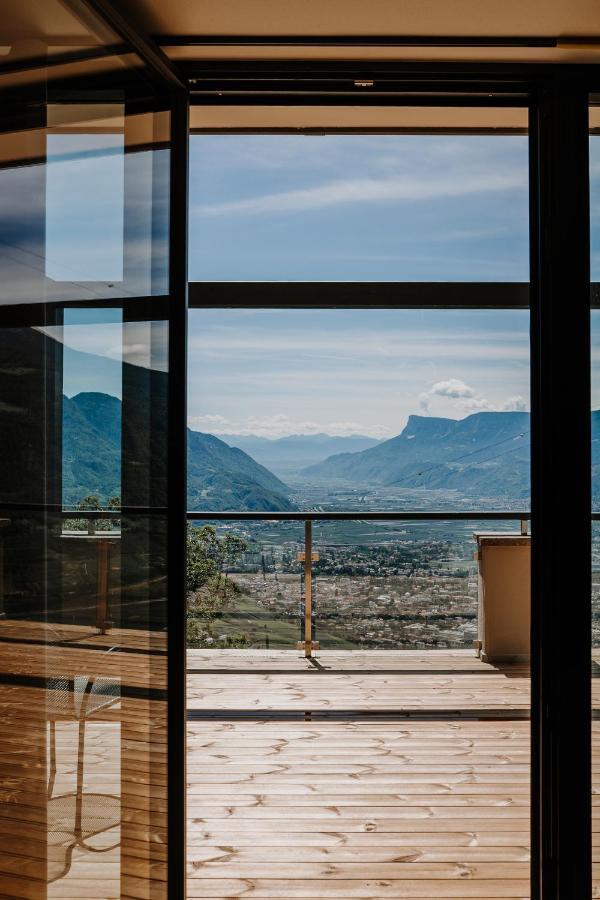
[(367, 190), (281, 425)]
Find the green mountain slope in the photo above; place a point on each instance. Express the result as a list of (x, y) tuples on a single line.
[(91, 447), (224, 477), (220, 477)]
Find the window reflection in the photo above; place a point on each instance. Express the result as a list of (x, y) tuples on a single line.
[(85, 208), (84, 216), (85, 171)]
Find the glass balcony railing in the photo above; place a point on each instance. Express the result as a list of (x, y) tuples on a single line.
[(386, 580), (406, 580)]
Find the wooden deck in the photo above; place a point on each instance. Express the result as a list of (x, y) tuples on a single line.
[(122, 764), (298, 788), (375, 681), (355, 775)]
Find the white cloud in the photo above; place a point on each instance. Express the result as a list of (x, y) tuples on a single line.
[(368, 190), (515, 404), (467, 399), (207, 422), (281, 425), (454, 388), (476, 404)]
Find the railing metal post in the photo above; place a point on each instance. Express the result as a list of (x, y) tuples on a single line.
[(307, 588)]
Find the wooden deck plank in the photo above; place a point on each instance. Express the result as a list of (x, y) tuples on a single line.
[(365, 681), (360, 888), (357, 808), (406, 808)]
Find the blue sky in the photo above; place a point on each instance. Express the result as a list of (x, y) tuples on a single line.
[(355, 208), (281, 372), (85, 173), (292, 207), (359, 208), (351, 371)]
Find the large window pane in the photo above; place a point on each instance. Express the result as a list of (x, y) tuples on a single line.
[(84, 582), (311, 413), (403, 207), (360, 409)]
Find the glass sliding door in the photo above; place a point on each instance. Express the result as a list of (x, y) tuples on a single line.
[(86, 593), (359, 487), (594, 149)]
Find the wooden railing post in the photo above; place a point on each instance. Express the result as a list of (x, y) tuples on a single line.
[(102, 611), (307, 588)]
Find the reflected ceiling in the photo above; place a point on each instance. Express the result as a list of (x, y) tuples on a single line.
[(568, 21)]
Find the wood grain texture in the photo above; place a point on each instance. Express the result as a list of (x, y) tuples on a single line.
[(405, 807), (121, 764), (357, 808)]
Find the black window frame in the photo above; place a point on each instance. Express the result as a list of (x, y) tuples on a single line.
[(557, 98), (167, 90)]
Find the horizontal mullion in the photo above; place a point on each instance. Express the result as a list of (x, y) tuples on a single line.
[(363, 294)]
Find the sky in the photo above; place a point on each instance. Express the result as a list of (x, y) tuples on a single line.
[(355, 208), (84, 172), (343, 372), (280, 372), (347, 207), (358, 208)]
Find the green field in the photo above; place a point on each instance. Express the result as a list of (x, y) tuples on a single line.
[(247, 618)]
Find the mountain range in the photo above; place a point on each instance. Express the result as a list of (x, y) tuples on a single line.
[(486, 453), (219, 476), (483, 455), (287, 456)]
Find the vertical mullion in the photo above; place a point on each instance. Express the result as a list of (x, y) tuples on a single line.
[(177, 495), (535, 834), (561, 492)]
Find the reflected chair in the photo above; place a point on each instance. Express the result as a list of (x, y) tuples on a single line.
[(74, 818)]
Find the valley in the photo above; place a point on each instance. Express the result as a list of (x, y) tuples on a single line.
[(377, 584)]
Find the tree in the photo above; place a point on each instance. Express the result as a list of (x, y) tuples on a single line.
[(204, 556), (208, 591), (90, 501), (233, 547)]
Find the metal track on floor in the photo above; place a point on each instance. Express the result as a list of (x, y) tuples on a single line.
[(344, 715)]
